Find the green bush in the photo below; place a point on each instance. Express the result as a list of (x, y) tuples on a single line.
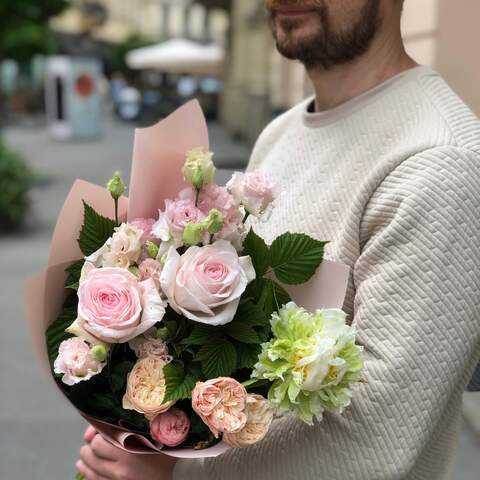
[(15, 181)]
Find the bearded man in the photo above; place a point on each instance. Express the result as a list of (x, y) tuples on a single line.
[(384, 162)]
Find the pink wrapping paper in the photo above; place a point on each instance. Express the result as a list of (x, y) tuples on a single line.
[(158, 157)]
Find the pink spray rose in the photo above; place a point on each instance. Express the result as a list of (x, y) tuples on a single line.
[(259, 418), (145, 225), (221, 404), (148, 345), (75, 361), (170, 428), (175, 218), (205, 283), (115, 307), (252, 190)]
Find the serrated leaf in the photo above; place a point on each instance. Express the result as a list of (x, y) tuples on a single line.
[(258, 250), (202, 334), (96, 230), (242, 332), (274, 297), (55, 333), (250, 314), (74, 272), (247, 355), (218, 358), (179, 384), (295, 257)]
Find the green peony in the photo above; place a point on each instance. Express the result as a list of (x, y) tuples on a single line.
[(312, 361)]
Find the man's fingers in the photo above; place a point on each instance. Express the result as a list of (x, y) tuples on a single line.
[(89, 434), (99, 466), (87, 472), (104, 449)]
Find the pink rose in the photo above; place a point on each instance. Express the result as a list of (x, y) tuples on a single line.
[(213, 196), (252, 190), (205, 283), (115, 307), (259, 418), (221, 403), (150, 268), (175, 218), (170, 428), (145, 225), (76, 362)]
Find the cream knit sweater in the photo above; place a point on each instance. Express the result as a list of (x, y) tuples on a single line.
[(392, 179)]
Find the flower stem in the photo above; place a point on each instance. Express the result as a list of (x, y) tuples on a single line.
[(197, 196), (116, 211), (247, 214)]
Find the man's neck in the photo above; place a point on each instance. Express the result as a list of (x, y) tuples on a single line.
[(385, 59)]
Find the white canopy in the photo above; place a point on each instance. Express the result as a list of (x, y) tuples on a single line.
[(178, 56)]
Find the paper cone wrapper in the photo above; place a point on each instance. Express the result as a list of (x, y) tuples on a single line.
[(158, 157)]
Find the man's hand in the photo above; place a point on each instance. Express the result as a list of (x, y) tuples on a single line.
[(100, 460)]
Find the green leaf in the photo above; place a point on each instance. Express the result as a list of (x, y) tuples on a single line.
[(74, 272), (295, 257), (118, 375), (274, 297), (242, 332), (96, 230), (55, 333), (255, 382), (256, 247), (179, 384), (218, 358), (247, 355), (202, 334), (250, 314)]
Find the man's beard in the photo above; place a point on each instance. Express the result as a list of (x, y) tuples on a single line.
[(326, 48)]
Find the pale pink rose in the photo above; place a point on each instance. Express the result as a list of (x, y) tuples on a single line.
[(234, 233), (205, 283), (252, 190), (121, 250), (115, 307), (76, 362), (221, 404), (175, 218), (259, 418), (150, 268), (145, 391), (170, 428), (145, 225), (213, 196), (148, 345)]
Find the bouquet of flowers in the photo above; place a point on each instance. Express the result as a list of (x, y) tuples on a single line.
[(178, 331)]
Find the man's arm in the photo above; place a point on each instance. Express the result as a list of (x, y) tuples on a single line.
[(417, 313)]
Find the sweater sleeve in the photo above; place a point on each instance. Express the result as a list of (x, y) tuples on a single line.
[(417, 313)]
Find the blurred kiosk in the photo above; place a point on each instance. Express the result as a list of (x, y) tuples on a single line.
[(72, 97)]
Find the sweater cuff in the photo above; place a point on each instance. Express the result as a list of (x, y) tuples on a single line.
[(188, 469)]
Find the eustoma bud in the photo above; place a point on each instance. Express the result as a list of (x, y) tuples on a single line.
[(192, 235), (213, 223), (115, 186), (152, 249), (198, 168), (99, 353)]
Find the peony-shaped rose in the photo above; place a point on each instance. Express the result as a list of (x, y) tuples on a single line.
[(150, 268), (121, 250), (259, 419), (205, 283), (145, 225), (252, 190), (221, 404), (175, 218), (114, 307), (75, 361), (146, 388), (170, 428)]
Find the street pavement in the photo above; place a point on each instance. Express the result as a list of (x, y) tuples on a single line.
[(40, 434)]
